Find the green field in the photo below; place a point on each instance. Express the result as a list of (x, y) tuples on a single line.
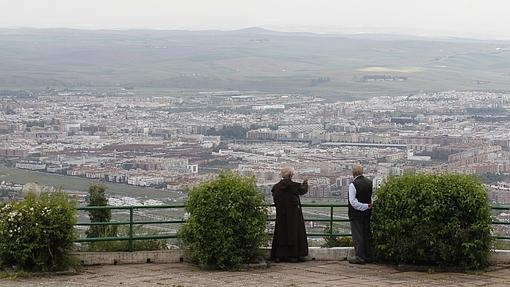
[(248, 60), (80, 184)]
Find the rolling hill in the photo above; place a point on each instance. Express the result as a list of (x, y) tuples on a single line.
[(333, 66)]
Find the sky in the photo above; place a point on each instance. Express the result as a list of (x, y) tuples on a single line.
[(461, 18)]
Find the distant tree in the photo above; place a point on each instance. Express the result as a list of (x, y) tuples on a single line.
[(229, 132), (490, 178), (97, 197)]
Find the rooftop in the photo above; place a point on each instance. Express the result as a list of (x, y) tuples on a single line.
[(318, 273)]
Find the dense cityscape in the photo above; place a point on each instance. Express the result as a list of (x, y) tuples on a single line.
[(175, 140), (254, 143)]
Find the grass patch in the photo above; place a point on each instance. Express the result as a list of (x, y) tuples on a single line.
[(391, 69), (78, 183), (120, 246), (13, 275)]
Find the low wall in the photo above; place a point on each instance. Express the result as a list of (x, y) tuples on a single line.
[(500, 257), (179, 255), (136, 257)]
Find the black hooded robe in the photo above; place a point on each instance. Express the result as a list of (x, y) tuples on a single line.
[(289, 239)]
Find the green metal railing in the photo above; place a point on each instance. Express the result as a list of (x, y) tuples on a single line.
[(131, 237), (131, 223), (501, 207)]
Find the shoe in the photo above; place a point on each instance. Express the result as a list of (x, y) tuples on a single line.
[(356, 260)]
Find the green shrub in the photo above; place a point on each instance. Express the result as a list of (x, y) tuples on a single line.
[(336, 241), (226, 223), (97, 197), (443, 220), (37, 233)]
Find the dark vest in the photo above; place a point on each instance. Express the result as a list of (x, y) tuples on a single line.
[(363, 187)]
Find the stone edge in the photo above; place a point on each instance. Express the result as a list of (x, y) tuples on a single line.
[(179, 255)]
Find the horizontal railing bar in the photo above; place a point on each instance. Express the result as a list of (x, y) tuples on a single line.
[(495, 207), (183, 221), (130, 207), (326, 220), (316, 220), (172, 236), (328, 235), (154, 237), (323, 205), (127, 222), (102, 223), (126, 238), (502, 237), (159, 222), (96, 239), (99, 207), (500, 207), (322, 234)]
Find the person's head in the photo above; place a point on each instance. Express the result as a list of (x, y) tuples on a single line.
[(357, 170), (287, 172)]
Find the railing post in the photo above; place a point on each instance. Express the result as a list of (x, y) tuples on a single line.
[(131, 228), (331, 222)]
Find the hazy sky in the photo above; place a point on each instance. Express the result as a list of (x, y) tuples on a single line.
[(472, 18)]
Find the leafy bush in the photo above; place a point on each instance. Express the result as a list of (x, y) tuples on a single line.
[(443, 220), (37, 233), (97, 197), (227, 221), (336, 241)]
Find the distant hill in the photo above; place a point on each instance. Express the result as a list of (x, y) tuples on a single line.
[(250, 59)]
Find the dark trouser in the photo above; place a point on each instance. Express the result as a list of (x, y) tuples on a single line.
[(362, 237)]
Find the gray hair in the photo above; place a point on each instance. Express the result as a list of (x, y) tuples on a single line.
[(357, 169), (287, 172)]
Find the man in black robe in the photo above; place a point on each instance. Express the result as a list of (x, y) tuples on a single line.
[(289, 239)]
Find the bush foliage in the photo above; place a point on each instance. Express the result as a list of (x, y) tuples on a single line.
[(97, 197), (37, 233), (443, 220), (336, 241), (226, 223)]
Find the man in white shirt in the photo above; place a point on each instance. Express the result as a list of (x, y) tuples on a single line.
[(360, 211)]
